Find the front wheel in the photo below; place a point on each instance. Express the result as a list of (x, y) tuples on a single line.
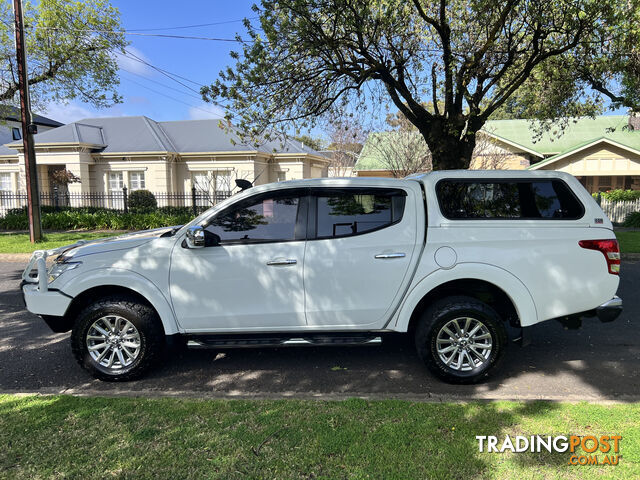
[(460, 339), (117, 338)]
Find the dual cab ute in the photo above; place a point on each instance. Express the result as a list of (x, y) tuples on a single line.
[(449, 258)]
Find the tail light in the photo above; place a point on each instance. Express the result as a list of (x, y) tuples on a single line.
[(609, 249)]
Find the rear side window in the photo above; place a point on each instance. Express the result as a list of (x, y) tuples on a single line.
[(508, 199), (345, 212)]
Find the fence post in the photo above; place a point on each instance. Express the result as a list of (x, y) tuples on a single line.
[(55, 197), (124, 197), (193, 200)]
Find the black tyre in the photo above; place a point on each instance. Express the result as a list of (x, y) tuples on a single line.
[(460, 339), (117, 338)]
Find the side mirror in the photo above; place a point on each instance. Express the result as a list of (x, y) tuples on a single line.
[(195, 237)]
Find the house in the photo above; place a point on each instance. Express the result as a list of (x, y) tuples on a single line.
[(11, 131), (603, 152), (167, 158)]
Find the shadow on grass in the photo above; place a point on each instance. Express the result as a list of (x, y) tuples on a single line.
[(162, 438)]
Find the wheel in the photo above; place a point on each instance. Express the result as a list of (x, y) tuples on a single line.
[(117, 338), (460, 339)]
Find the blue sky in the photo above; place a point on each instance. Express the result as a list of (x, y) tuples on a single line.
[(146, 91)]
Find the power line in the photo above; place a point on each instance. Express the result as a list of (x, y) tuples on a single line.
[(166, 73), (189, 26), (174, 99), (158, 35), (161, 84)]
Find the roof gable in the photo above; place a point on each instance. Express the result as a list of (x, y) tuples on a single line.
[(576, 133)]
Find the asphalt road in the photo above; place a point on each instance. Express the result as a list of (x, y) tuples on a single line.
[(600, 362)]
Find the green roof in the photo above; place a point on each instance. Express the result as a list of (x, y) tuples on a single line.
[(578, 133)]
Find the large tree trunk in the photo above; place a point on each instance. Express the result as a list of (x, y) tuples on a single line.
[(450, 148)]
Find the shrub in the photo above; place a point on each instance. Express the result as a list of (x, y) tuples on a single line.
[(98, 220), (142, 201), (619, 195), (632, 220)]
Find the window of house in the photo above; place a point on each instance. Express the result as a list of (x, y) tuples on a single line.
[(605, 183), (354, 211), (263, 218), (15, 132), (116, 181), (5, 182), (508, 199), (136, 181), (281, 176)]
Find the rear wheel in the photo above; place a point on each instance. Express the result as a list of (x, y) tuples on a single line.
[(117, 338), (460, 339)]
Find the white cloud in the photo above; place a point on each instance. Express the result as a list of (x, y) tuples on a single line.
[(72, 112), (130, 63), (205, 111)]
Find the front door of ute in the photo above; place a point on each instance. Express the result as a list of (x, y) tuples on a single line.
[(249, 277)]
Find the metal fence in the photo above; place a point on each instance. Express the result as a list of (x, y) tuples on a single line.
[(617, 211), (195, 200)]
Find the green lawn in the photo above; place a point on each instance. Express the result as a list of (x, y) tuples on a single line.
[(629, 241), (76, 437), (19, 242)]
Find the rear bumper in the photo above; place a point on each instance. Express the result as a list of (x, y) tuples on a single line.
[(609, 311)]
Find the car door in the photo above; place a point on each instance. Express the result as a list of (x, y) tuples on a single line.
[(249, 276), (361, 244)]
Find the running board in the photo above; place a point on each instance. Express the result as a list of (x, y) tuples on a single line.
[(225, 342)]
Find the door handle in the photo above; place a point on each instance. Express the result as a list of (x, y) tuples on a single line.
[(390, 255), (281, 262)]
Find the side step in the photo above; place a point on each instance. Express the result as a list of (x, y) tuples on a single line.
[(270, 340)]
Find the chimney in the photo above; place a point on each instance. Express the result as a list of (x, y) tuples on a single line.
[(634, 121)]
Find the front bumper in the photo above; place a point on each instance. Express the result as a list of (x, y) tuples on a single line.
[(609, 311), (51, 302)]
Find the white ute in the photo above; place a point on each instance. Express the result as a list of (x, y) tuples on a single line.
[(450, 257)]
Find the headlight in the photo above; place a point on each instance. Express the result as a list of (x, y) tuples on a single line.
[(58, 269)]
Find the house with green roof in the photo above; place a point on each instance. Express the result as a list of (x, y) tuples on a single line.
[(602, 152)]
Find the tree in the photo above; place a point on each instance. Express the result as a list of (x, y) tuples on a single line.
[(402, 149), (64, 177), (70, 48), (316, 144), (488, 154), (466, 58), (346, 137)]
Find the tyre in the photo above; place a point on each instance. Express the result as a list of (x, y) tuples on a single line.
[(460, 339), (117, 338)]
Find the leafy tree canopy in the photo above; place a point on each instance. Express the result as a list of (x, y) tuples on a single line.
[(467, 58), (70, 51)]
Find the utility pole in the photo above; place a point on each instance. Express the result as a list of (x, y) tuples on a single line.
[(28, 129)]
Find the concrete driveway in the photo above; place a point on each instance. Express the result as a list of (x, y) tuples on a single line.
[(598, 363)]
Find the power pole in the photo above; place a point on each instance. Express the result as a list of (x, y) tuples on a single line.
[(28, 129)]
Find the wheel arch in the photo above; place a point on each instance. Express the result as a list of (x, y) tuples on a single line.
[(493, 285), (101, 283)]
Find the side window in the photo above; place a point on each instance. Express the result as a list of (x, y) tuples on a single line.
[(264, 218), (508, 199), (346, 213)]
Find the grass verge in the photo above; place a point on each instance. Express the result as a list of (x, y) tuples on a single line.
[(629, 241), (19, 242), (75, 437)]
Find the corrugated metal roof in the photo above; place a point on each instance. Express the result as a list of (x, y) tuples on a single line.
[(142, 134), (9, 112)]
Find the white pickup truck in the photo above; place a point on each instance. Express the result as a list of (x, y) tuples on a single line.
[(448, 257)]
